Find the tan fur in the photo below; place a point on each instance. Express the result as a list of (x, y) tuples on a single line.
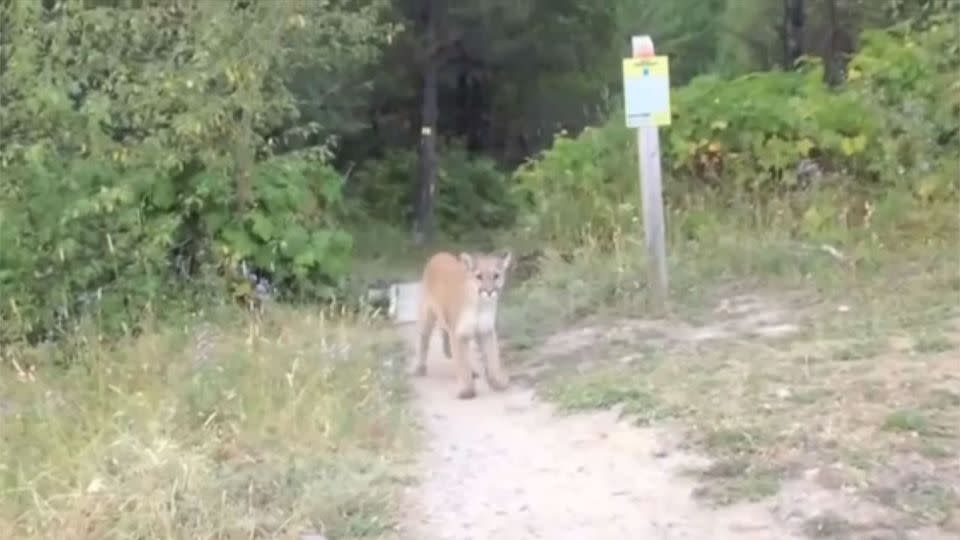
[(460, 294)]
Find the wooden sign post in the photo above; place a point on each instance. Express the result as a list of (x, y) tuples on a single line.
[(646, 91)]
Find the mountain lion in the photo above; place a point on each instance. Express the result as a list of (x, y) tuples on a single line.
[(461, 293)]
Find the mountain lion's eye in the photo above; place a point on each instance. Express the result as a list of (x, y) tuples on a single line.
[(479, 276), (496, 276)]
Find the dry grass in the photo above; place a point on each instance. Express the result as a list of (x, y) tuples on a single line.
[(237, 429), (859, 395)]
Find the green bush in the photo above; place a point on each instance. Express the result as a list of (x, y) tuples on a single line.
[(582, 187), (74, 235), (97, 238), (137, 152), (914, 75), (754, 138), (292, 232), (472, 193), (750, 133)]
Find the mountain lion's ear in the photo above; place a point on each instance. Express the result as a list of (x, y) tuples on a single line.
[(506, 257), (467, 261)]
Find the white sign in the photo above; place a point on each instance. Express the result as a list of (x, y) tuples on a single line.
[(646, 91)]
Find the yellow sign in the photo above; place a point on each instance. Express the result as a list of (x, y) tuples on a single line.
[(646, 91)]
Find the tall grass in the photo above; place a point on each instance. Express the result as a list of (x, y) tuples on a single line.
[(237, 428), (851, 247)]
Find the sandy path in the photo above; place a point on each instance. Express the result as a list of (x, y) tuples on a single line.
[(502, 466)]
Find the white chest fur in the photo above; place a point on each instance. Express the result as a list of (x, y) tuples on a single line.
[(478, 318)]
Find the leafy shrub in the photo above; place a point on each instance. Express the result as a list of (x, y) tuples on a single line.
[(74, 236), (291, 232), (893, 126), (385, 189), (750, 133), (915, 77), (96, 238), (138, 156), (583, 186), (471, 192)]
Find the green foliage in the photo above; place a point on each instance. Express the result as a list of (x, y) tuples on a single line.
[(757, 142), (292, 230), (138, 149), (749, 36), (914, 75), (140, 141), (385, 189), (583, 187), (762, 135), (99, 239), (472, 193), (73, 235), (510, 72), (912, 71), (686, 30)]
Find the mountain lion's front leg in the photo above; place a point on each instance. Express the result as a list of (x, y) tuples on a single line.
[(496, 377)]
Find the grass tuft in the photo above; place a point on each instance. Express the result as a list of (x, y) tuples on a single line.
[(238, 429)]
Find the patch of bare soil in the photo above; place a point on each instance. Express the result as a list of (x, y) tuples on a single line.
[(505, 466), (810, 437), (788, 414), (735, 318)]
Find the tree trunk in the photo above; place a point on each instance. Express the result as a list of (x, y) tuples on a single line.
[(423, 226), (793, 22), (833, 63)]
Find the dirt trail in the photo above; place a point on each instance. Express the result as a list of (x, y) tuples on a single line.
[(503, 466)]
